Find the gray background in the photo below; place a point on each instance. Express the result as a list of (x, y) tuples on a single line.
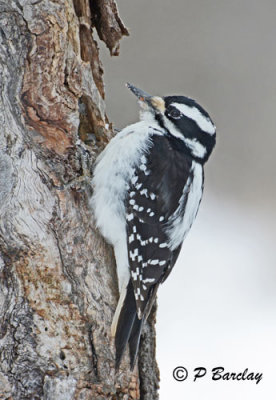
[(218, 307)]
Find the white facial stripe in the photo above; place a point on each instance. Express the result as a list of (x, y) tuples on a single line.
[(192, 112), (196, 147)]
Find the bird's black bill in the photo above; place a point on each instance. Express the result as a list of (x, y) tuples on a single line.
[(138, 92)]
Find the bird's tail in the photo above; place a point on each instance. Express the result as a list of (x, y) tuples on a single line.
[(127, 326)]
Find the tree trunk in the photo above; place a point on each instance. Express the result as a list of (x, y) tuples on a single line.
[(58, 288)]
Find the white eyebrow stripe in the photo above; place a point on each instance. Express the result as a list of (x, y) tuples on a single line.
[(192, 112)]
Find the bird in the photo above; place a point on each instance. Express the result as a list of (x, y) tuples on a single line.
[(147, 187)]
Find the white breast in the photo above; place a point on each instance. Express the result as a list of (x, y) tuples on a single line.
[(181, 223), (114, 170)]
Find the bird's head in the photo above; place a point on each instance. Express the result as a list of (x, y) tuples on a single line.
[(182, 118)]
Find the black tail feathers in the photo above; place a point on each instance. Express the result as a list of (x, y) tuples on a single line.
[(134, 340), (128, 329)]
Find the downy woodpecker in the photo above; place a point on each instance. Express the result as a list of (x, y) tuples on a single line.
[(148, 184)]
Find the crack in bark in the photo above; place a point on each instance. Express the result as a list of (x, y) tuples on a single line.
[(67, 272), (93, 350)]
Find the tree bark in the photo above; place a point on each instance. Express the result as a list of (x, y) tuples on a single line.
[(58, 288)]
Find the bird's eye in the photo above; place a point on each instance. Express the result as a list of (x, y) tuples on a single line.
[(174, 113)]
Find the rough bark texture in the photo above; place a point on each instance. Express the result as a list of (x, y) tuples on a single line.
[(58, 287)]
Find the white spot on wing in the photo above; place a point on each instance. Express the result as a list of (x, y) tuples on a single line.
[(154, 262), (148, 280), (133, 254), (138, 294), (138, 186), (144, 192), (144, 264), (143, 167), (135, 274), (129, 217)]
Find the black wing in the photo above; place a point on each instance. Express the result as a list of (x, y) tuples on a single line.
[(153, 197)]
